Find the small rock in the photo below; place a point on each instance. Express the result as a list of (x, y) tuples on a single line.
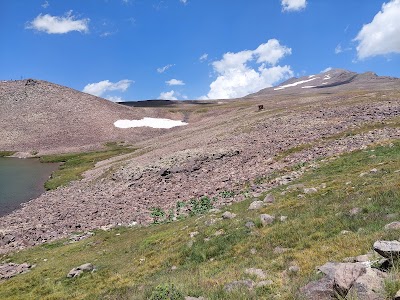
[(193, 234), (388, 249), (228, 215), (253, 251), (374, 170), (250, 224), (354, 211), (264, 283), (362, 174), (345, 232), (256, 272), (393, 226), (173, 268), (310, 190), (214, 211), (294, 269), (283, 218), (280, 250), (239, 284), (269, 199), (397, 296), (256, 205), (267, 219), (219, 232), (194, 298)]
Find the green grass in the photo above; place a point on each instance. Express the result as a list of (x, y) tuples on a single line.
[(75, 164), (6, 153), (132, 263)]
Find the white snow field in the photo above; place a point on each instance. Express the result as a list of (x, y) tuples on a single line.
[(149, 122)]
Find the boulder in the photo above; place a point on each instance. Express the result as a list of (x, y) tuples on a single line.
[(393, 226), (228, 215), (267, 219), (256, 205), (388, 249), (345, 276), (264, 283), (319, 290), (329, 269), (369, 286), (311, 190), (239, 284), (250, 224), (9, 270), (269, 199), (78, 271)]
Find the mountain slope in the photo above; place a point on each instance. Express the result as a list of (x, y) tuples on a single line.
[(332, 81), (41, 116)]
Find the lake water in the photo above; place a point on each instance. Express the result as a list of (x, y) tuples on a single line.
[(21, 180)]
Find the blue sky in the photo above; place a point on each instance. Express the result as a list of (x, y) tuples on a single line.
[(177, 49)]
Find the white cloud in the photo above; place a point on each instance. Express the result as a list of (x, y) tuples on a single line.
[(293, 5), (184, 1), (327, 69), (101, 87), (171, 95), (175, 82), (59, 25), (45, 4), (382, 35), (237, 79), (338, 49), (115, 99), (165, 68), (204, 57)]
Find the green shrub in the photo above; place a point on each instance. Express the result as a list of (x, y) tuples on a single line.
[(200, 206), (166, 292), (157, 214)]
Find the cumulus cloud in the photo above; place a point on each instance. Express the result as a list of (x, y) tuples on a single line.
[(45, 4), (293, 5), (382, 35), (59, 25), (175, 82), (163, 69), (171, 95), (237, 79), (204, 57), (99, 88), (115, 99)]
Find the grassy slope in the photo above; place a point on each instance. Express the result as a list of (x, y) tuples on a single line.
[(75, 164), (131, 262), (6, 153)]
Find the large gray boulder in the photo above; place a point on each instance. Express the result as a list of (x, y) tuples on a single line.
[(369, 286), (393, 226), (345, 276), (319, 290), (388, 249), (228, 215)]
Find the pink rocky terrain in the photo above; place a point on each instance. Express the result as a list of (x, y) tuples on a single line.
[(229, 145)]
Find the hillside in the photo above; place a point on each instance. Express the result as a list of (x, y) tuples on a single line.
[(39, 116), (321, 152)]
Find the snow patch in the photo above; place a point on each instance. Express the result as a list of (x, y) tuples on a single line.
[(311, 76), (149, 122), (325, 83), (327, 77), (308, 87), (294, 84)]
